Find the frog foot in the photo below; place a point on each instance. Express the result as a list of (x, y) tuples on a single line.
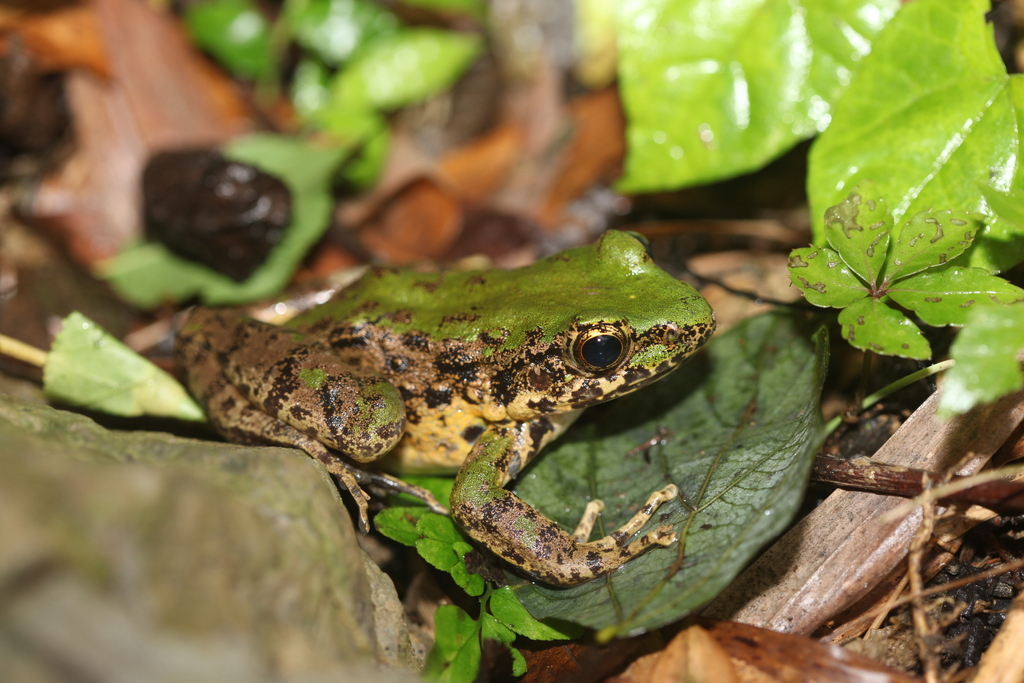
[(663, 535), (396, 485)]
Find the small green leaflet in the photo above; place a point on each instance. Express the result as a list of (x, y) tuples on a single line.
[(456, 654), (233, 31), (89, 368), (865, 269)]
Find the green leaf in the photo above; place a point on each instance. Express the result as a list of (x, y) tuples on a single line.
[(929, 239), (89, 368), (473, 8), (932, 117), (858, 228), (399, 523), (518, 662), (235, 32), (824, 278), (148, 275), (871, 325), (986, 359), (495, 630), (505, 606), (745, 423), (712, 88), (309, 91), (404, 67), (947, 296), (455, 657), (439, 527), (334, 30)]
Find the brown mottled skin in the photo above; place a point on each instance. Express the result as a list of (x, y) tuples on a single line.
[(469, 372)]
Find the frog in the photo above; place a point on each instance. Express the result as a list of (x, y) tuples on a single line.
[(466, 372)]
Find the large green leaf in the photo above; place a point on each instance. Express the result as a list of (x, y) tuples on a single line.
[(986, 359), (932, 118), (745, 427), (148, 274), (716, 88)]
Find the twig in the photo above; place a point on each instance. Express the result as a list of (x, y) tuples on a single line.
[(22, 351)]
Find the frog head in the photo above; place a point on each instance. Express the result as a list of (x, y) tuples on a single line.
[(611, 322)]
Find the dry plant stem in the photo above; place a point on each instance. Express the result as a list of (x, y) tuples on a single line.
[(1002, 662), (22, 351), (924, 629), (1004, 495)]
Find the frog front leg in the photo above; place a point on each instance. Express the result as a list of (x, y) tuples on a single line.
[(518, 533)]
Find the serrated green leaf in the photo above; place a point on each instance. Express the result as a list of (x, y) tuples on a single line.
[(505, 606), (930, 239), (858, 228), (986, 359), (89, 368), (745, 427), (824, 278), (473, 584), (518, 662), (148, 275), (404, 67), (233, 31), (930, 125), (946, 296), (334, 30), (871, 325), (455, 657), (399, 523), (438, 554), (495, 630), (439, 527), (712, 88)]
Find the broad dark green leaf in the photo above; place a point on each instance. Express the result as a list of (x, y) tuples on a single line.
[(824, 278), (713, 88), (858, 228), (745, 423), (931, 117), (930, 239), (871, 325), (233, 31), (89, 368), (946, 296), (148, 275), (986, 359)]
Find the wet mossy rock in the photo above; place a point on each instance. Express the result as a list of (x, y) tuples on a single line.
[(142, 556)]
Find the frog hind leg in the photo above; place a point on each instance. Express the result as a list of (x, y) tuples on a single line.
[(296, 379), (234, 416), (518, 533)]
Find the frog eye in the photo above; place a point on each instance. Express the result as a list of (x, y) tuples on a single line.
[(600, 348)]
